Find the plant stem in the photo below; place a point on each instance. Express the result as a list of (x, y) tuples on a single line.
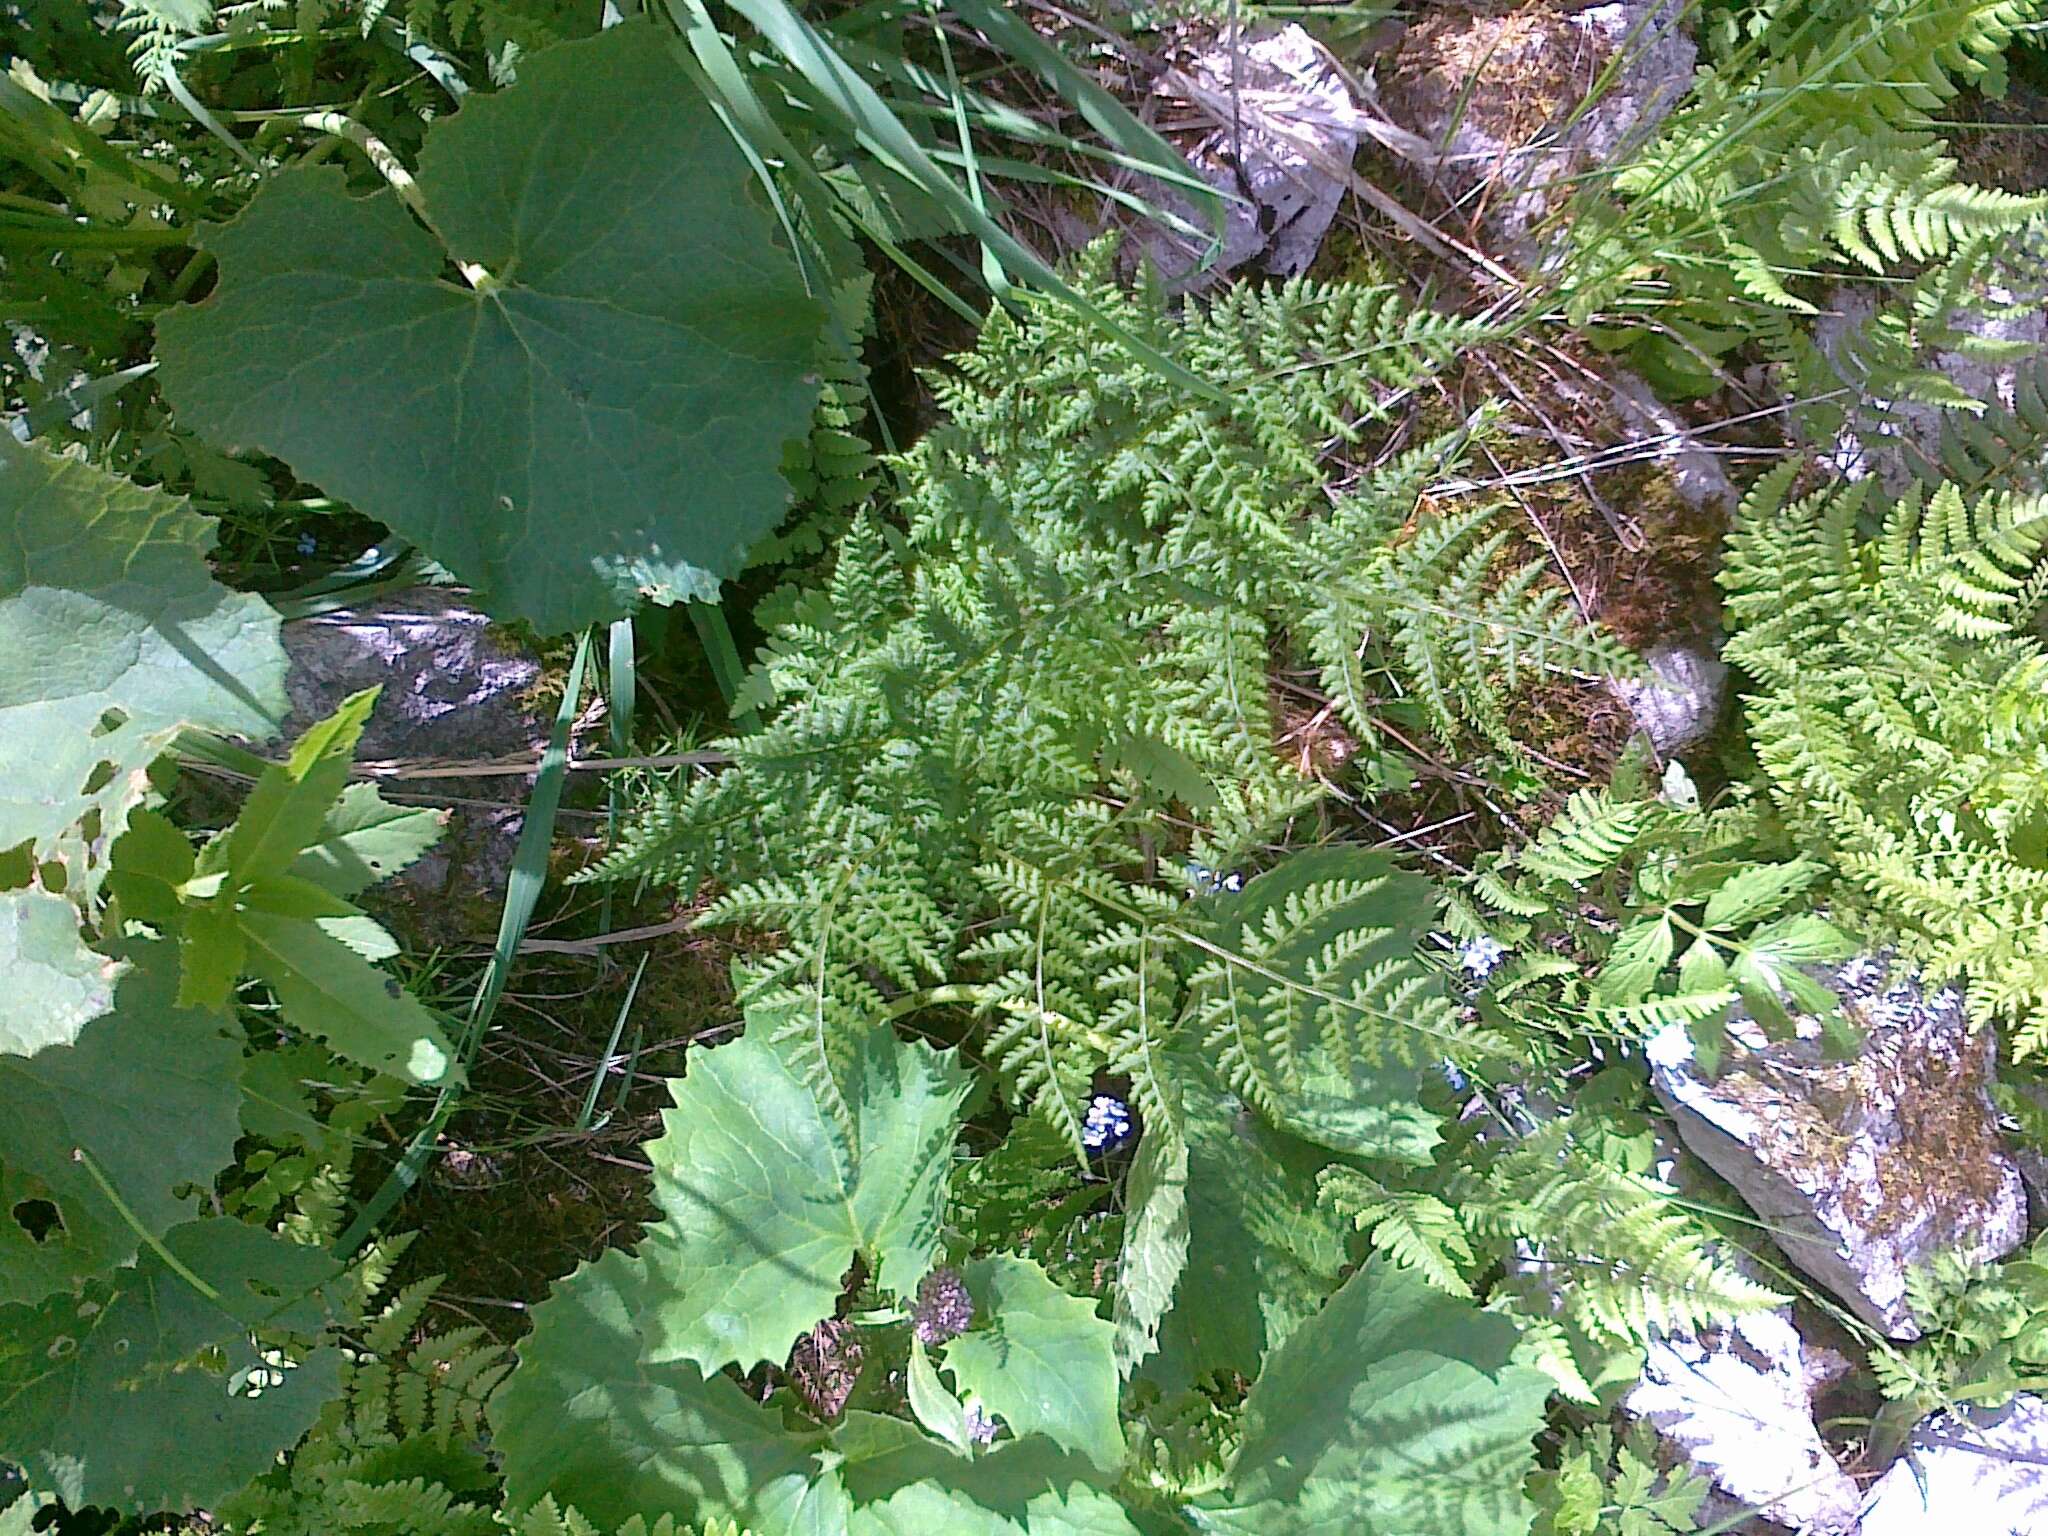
[(393, 170), (85, 1160)]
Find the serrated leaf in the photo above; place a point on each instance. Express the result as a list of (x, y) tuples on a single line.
[(289, 805), (365, 839), (1759, 891), (904, 1484), (1635, 962), (602, 416), (330, 991), (115, 635), (1155, 1248), (212, 953), (1395, 1410), (55, 985), (768, 1196), (1043, 1363), (1262, 1254), (148, 1091), (133, 1393), (152, 858), (586, 1418), (1800, 940)]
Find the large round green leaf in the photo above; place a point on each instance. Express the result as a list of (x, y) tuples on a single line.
[(56, 983), (769, 1193), (143, 1392), (148, 1092), (586, 1418), (602, 415), (114, 634)]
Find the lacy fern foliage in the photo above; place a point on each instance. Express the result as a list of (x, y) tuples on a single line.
[(985, 732), (1899, 715)]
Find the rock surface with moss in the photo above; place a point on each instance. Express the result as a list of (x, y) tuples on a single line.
[(1860, 1169)]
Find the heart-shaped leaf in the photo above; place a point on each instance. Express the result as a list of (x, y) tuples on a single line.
[(600, 414)]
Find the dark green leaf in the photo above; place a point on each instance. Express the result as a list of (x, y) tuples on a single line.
[(141, 1393), (149, 1093), (1395, 1411), (1262, 1253), (600, 417)]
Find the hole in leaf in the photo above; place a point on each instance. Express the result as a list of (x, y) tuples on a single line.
[(17, 866), (39, 1219), (101, 776), (265, 1289), (110, 721), (55, 876), (61, 1346)]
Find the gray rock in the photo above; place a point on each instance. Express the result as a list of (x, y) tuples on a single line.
[(454, 686), (1679, 703), (1899, 441), (1278, 130), (1696, 470), (456, 689), (1738, 1405), (1861, 1169), (1511, 82), (1983, 1472)]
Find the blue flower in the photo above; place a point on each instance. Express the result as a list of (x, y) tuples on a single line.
[(1479, 958), (1108, 1124)]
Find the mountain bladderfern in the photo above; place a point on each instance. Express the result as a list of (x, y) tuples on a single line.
[(993, 737), (1900, 716), (1810, 150)]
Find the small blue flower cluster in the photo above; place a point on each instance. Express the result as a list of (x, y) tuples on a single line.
[(1204, 881), (1108, 1125), (1479, 958)]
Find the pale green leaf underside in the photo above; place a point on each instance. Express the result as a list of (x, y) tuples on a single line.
[(54, 983), (87, 1405), (1395, 1410), (768, 1199), (588, 1419), (1044, 1363), (114, 635), (149, 1092), (606, 419), (366, 839)]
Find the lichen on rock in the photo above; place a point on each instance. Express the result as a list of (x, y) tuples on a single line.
[(1864, 1168)]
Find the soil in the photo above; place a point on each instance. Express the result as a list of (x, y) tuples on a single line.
[(519, 1197)]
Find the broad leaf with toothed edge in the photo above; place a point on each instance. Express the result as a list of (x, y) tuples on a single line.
[(115, 635), (148, 1092), (769, 1194)]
